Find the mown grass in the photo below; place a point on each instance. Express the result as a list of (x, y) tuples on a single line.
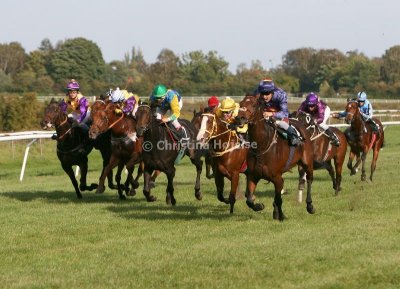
[(50, 239)]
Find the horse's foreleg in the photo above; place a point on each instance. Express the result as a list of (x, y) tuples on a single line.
[(71, 174), (219, 184), (170, 199), (338, 170), (278, 213), (234, 186), (105, 173), (153, 178), (302, 181), (146, 186), (118, 180), (106, 155), (199, 167), (350, 163), (310, 177), (251, 187), (209, 171), (83, 186)]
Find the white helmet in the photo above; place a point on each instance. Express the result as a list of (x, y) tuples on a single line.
[(117, 95), (362, 96)]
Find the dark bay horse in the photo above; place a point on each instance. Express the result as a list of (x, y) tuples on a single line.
[(73, 145), (196, 121), (160, 150), (362, 139), (229, 154), (324, 152), (272, 156), (126, 148)]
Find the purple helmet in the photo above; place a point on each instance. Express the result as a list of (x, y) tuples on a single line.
[(312, 99), (73, 85), (266, 85)]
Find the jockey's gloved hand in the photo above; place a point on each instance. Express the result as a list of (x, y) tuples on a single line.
[(232, 126), (70, 118), (118, 111)]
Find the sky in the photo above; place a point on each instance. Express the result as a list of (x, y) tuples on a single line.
[(241, 31)]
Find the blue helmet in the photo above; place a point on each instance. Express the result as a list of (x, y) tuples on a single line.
[(361, 96), (266, 85)]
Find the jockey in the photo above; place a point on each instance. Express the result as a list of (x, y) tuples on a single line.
[(274, 101), (227, 112), (129, 102), (366, 111), (213, 104), (320, 112), (76, 105), (168, 100)]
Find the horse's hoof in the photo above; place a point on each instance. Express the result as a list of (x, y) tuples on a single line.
[(210, 176), (222, 199), (310, 209), (131, 193), (275, 215), (100, 190), (122, 197), (198, 195), (151, 198), (79, 196), (170, 200)]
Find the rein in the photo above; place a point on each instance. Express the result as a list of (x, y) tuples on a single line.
[(68, 130)]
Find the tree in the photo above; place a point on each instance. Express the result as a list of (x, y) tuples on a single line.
[(12, 58), (390, 71), (77, 58)]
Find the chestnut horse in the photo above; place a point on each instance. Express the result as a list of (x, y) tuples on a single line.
[(229, 154), (126, 149), (160, 150), (324, 152), (361, 139), (272, 156), (73, 145), (196, 121)]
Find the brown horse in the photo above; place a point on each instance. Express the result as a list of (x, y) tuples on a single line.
[(196, 121), (229, 154), (73, 145), (271, 156), (361, 139), (324, 152), (161, 150), (126, 148)]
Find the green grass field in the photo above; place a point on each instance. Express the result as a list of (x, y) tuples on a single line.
[(50, 239)]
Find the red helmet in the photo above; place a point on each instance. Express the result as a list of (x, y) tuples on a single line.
[(213, 101)]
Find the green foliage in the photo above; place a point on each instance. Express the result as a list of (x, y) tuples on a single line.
[(77, 58)]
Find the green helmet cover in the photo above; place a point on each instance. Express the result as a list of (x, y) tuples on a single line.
[(159, 91)]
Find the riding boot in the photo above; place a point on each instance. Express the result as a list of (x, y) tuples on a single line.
[(374, 126), (293, 138), (183, 137), (54, 137), (333, 137)]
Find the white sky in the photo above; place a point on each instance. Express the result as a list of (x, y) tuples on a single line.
[(239, 30)]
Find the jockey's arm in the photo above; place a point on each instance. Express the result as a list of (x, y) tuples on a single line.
[(129, 104), (175, 110), (63, 106), (83, 107), (283, 111)]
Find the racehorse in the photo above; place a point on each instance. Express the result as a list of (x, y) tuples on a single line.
[(160, 150), (73, 145), (361, 139), (126, 148), (324, 151), (228, 152), (272, 155), (196, 121)]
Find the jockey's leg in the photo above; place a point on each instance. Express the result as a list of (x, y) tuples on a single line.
[(291, 133), (374, 126), (332, 136)]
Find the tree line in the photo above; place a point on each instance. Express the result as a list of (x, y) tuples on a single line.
[(327, 71)]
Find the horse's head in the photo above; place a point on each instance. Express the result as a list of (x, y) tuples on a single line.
[(247, 108), (303, 117), (53, 115), (208, 127), (351, 111), (100, 120), (144, 117)]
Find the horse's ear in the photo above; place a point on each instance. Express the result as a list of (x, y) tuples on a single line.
[(194, 112)]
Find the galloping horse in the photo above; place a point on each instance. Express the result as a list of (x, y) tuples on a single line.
[(196, 121), (228, 152), (73, 145), (272, 156), (160, 150), (125, 151), (361, 139), (324, 152)]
